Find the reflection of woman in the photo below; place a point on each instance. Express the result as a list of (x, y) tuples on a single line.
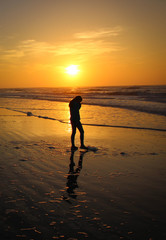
[(73, 174), (75, 106)]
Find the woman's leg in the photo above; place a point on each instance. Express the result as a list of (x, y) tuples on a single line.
[(74, 125), (73, 134), (80, 128)]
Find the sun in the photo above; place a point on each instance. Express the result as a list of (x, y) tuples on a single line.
[(72, 70)]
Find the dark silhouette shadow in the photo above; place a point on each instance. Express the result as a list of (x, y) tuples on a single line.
[(73, 174)]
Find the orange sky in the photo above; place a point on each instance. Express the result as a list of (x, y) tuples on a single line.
[(113, 42)]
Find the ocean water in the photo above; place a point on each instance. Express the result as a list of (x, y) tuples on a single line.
[(140, 107)]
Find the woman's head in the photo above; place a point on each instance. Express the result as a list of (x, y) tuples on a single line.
[(78, 98)]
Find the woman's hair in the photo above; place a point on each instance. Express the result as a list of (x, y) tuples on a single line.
[(78, 98)]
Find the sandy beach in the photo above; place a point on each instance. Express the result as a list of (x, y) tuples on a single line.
[(48, 192)]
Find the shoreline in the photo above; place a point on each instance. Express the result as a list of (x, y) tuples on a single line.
[(114, 124)]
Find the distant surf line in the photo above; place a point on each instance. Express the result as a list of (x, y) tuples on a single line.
[(88, 124)]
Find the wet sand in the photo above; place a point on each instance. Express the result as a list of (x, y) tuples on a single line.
[(48, 192)]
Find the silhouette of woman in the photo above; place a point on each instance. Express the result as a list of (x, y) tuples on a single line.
[(75, 106)]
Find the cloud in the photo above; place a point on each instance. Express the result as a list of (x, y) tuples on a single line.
[(83, 45), (89, 47), (24, 51), (100, 33), (92, 43)]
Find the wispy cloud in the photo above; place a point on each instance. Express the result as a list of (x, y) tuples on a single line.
[(100, 33), (83, 45), (92, 43)]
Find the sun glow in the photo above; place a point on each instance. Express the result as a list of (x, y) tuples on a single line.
[(72, 70)]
